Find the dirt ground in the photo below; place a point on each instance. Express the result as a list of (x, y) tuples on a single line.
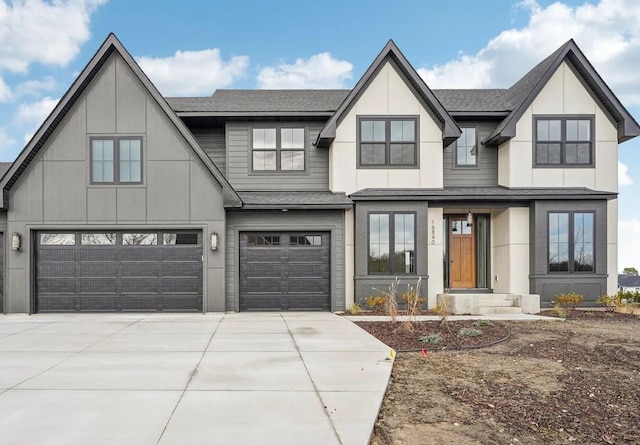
[(571, 382)]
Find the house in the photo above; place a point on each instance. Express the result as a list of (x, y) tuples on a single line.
[(628, 283), (125, 200)]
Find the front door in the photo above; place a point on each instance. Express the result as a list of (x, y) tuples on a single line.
[(462, 253)]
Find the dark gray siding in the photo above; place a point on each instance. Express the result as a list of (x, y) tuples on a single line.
[(372, 285), (485, 174), (316, 177), (547, 285), (321, 221), (212, 141)]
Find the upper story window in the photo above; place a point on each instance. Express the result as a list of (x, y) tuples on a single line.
[(278, 149), (116, 160), (466, 151), (387, 142), (564, 141), (571, 242)]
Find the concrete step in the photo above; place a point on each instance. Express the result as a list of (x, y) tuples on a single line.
[(487, 310), (494, 301)]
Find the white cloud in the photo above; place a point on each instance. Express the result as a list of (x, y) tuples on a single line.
[(34, 113), (35, 87), (629, 244), (608, 32), (319, 71), (192, 73), (623, 175), (48, 32), (6, 141), (5, 91)]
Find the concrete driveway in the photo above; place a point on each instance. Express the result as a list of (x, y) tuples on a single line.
[(263, 378)]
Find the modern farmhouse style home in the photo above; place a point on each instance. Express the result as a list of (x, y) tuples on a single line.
[(125, 200)]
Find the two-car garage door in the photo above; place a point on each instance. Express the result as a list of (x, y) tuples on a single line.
[(285, 271), (112, 271)]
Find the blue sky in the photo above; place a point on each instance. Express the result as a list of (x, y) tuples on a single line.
[(193, 47)]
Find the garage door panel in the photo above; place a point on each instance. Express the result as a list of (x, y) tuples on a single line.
[(114, 276), (294, 274)]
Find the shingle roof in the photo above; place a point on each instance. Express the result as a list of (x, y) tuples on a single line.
[(295, 200), (473, 100), (262, 101), (625, 280), (481, 193), (4, 167)]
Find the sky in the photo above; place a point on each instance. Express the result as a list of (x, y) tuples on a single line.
[(191, 48)]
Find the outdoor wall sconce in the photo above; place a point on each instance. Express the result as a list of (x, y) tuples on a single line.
[(469, 219), (214, 241), (16, 241)]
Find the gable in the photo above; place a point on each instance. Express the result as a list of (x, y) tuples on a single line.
[(104, 95)]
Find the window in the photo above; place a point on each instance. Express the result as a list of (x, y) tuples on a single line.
[(564, 141), (263, 240), (309, 240), (571, 242), (98, 239), (139, 239), (171, 239), (466, 151), (278, 149), (387, 142), (57, 239), (392, 233), (116, 160)]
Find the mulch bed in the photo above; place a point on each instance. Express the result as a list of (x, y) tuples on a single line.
[(401, 337), (586, 314)]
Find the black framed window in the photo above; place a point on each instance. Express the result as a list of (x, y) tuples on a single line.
[(116, 160), (392, 243), (564, 141), (278, 149), (466, 151), (571, 242), (390, 142)]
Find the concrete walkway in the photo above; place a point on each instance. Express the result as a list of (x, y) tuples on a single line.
[(267, 378)]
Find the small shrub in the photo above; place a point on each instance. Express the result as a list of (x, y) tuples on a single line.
[(433, 339), (376, 303), (469, 332), (568, 302), (558, 311), (482, 323), (354, 309), (611, 302)]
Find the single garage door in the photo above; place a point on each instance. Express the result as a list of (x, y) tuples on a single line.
[(113, 271), (285, 271)]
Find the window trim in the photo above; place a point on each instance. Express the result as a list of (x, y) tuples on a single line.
[(278, 149), (116, 160), (392, 241), (455, 151), (387, 119), (571, 264), (563, 131)]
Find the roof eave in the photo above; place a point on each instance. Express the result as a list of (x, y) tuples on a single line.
[(254, 113)]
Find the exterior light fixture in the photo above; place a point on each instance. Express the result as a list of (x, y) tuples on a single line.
[(214, 241), (469, 219), (16, 241)]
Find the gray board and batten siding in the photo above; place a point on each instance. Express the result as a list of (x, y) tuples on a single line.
[(330, 222), (485, 173), (367, 284), (239, 169), (178, 191), (548, 284)]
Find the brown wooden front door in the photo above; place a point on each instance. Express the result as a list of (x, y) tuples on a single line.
[(462, 254)]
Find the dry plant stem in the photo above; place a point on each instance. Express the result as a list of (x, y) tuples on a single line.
[(413, 302)]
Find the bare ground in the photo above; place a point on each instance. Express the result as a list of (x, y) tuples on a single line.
[(572, 382)]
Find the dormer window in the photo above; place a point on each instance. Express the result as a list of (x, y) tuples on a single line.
[(387, 142), (563, 141)]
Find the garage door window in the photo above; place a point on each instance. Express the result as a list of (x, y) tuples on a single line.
[(139, 239), (98, 239), (262, 240), (171, 239), (311, 240), (57, 239)]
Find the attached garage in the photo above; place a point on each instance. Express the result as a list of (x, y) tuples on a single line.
[(118, 271), (285, 271)]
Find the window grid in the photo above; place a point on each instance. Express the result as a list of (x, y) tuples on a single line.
[(280, 149), (392, 234), (563, 141), (116, 160), (571, 242), (387, 142)]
